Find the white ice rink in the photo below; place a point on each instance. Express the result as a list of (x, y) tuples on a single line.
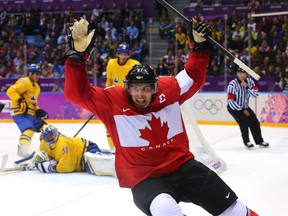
[(258, 176)]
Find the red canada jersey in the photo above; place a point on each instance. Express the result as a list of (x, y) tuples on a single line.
[(149, 142)]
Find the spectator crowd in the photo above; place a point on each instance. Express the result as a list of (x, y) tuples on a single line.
[(260, 43), (32, 36)]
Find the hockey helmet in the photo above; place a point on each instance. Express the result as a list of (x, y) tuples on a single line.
[(123, 48), (50, 135), (34, 68), (240, 70), (141, 74)]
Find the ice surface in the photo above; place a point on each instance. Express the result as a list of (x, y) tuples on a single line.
[(258, 176)]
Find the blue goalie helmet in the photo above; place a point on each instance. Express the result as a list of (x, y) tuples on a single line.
[(34, 68), (50, 135), (123, 48)]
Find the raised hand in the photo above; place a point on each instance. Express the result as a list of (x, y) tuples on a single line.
[(197, 31), (81, 41)]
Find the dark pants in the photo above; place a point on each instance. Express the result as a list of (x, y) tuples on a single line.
[(245, 123), (193, 182)]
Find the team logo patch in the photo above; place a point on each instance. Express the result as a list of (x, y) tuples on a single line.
[(65, 150)]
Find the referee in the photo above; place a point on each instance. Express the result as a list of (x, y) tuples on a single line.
[(239, 91)]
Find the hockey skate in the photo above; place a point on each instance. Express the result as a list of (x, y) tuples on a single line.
[(263, 144), (249, 145), (23, 150)]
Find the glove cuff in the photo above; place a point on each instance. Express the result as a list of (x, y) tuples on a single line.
[(73, 55), (201, 47)]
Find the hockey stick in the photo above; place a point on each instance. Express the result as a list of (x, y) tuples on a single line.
[(84, 125), (29, 157), (4, 162), (17, 168), (212, 41), (19, 165), (2, 107)]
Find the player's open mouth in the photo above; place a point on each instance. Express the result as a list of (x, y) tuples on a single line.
[(142, 103)]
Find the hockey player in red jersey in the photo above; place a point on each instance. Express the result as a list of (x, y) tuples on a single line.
[(145, 123)]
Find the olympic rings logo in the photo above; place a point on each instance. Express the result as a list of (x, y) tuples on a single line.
[(208, 106)]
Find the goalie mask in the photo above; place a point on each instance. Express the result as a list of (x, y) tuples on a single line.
[(50, 135)]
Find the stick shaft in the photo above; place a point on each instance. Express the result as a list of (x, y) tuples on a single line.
[(212, 41), (84, 124)]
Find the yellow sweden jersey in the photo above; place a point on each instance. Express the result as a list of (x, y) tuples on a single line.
[(116, 73), (68, 153), (24, 88)]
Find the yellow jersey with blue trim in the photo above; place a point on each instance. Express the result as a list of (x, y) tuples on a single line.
[(116, 73), (26, 89), (68, 153)]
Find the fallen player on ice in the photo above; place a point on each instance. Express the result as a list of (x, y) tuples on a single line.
[(61, 154)]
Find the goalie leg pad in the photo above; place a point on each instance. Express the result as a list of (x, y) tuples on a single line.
[(99, 164)]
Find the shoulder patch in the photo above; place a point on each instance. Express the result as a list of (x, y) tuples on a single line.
[(23, 81), (65, 150)]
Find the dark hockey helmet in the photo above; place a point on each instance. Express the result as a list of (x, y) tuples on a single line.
[(34, 68), (240, 70), (50, 135), (141, 74)]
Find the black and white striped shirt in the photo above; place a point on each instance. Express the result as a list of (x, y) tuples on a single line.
[(238, 96)]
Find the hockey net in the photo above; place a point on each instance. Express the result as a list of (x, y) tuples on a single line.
[(199, 146)]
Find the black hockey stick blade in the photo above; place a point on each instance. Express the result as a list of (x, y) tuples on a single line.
[(2, 107)]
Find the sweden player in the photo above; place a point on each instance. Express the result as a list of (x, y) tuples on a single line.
[(116, 71), (62, 154), (25, 110), (118, 68)]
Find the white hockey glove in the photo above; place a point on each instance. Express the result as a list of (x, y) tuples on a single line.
[(46, 166), (81, 41), (197, 33), (41, 156)]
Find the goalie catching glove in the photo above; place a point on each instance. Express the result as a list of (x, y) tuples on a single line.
[(81, 41), (197, 33), (41, 156)]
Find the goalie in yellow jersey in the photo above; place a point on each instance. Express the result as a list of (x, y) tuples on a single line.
[(25, 110), (62, 154), (116, 71)]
